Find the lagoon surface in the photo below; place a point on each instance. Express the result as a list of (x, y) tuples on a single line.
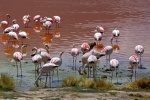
[(78, 21)]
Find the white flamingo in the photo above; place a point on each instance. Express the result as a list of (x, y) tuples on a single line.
[(45, 57), (26, 20), (23, 35), (92, 62), (98, 37), (133, 61), (57, 61), (11, 37), (36, 59), (46, 69), (15, 25), (5, 23), (139, 50), (86, 56), (39, 50), (47, 25), (115, 64), (57, 20), (115, 34), (18, 57)]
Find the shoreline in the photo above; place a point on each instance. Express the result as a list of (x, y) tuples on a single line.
[(63, 94)]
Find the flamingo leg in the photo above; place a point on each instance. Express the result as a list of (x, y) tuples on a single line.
[(21, 68), (46, 79), (57, 74), (75, 64), (17, 68), (36, 81)]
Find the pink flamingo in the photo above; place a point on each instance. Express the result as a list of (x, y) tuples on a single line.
[(115, 64), (37, 18), (26, 20), (108, 51), (134, 61), (86, 47), (100, 29), (74, 52), (18, 57)]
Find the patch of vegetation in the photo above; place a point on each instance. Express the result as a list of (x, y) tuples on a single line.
[(140, 84), (113, 93), (7, 83), (10, 95), (87, 83)]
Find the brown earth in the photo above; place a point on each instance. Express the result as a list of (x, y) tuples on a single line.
[(60, 94)]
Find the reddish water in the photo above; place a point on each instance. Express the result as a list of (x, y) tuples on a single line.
[(79, 19)]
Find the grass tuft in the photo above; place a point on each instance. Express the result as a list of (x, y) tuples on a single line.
[(86, 83), (6, 82), (143, 83)]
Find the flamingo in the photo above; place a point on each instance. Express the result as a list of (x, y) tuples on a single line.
[(12, 36), (15, 25), (86, 56), (139, 50), (74, 52), (57, 20), (57, 61), (26, 20), (45, 69), (115, 34), (100, 29), (108, 51), (18, 57), (92, 62), (115, 64), (39, 50), (37, 18), (133, 61), (86, 47), (36, 59), (5, 23), (98, 37), (45, 57), (23, 35), (8, 29), (47, 25)]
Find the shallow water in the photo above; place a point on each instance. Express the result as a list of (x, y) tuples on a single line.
[(79, 19)]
